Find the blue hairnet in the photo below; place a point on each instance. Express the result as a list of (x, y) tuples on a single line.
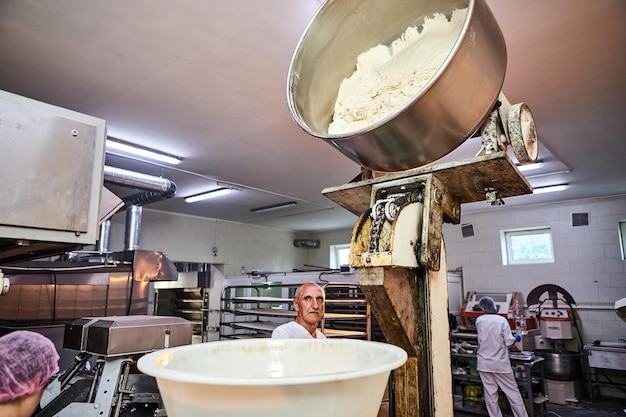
[(27, 361), (488, 305)]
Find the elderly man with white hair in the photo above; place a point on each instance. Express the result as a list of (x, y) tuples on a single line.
[(308, 303)]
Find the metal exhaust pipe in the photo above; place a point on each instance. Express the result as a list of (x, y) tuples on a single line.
[(103, 236), (133, 227), (154, 189)]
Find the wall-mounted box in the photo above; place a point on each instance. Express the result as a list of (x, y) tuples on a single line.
[(52, 173)]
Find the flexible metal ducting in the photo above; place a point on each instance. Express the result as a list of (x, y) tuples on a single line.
[(154, 189)]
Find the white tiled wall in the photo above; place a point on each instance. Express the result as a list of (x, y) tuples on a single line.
[(587, 265), (191, 239)]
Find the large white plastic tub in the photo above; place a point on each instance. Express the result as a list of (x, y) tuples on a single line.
[(273, 377)]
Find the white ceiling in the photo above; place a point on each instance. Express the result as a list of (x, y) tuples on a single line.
[(206, 80)]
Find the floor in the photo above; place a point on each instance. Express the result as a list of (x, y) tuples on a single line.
[(600, 407)]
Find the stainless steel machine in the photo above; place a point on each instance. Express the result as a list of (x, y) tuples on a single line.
[(510, 306), (47, 281), (560, 343), (506, 303), (113, 387), (45, 295), (603, 357), (401, 201), (558, 320), (50, 206)]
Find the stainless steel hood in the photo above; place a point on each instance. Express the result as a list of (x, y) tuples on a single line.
[(116, 283)]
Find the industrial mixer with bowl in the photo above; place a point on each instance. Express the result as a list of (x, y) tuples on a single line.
[(560, 342), (397, 243), (461, 98)]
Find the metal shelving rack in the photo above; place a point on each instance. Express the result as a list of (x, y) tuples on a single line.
[(347, 312), (187, 303), (531, 379), (247, 311)]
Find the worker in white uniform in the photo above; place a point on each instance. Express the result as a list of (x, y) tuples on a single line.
[(493, 364), (308, 303)]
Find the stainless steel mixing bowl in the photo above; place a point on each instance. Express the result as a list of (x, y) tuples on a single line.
[(448, 110), (561, 366)]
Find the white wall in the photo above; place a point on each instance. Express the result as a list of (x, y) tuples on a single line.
[(191, 239), (321, 255), (587, 265), (587, 259)]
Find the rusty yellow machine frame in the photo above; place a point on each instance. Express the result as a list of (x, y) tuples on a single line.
[(397, 245)]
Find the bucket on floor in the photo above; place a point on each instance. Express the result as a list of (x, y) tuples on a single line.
[(274, 377)]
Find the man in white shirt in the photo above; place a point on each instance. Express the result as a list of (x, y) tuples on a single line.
[(493, 364), (308, 303)]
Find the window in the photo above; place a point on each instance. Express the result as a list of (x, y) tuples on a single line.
[(526, 246), (622, 238), (339, 255)]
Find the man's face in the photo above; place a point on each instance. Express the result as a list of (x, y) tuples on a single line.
[(309, 304)]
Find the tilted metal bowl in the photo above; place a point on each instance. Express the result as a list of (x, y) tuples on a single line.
[(445, 112)]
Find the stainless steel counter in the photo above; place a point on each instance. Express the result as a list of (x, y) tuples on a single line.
[(603, 355), (607, 355)]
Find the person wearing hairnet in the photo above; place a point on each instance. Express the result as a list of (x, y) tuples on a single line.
[(492, 362), (27, 362)]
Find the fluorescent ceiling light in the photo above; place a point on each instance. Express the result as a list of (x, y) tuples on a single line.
[(530, 167), (550, 188), (274, 207), (218, 192), (124, 149)]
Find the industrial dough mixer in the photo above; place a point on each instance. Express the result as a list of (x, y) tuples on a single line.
[(397, 243), (461, 98)]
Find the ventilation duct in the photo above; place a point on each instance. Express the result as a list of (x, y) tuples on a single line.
[(306, 243), (467, 230), (133, 227), (103, 236), (580, 219), (153, 189)]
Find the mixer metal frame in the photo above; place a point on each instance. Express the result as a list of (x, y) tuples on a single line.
[(510, 125), (400, 254), (398, 243)]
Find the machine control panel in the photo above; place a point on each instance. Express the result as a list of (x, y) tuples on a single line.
[(556, 323), (555, 314), (504, 303)]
